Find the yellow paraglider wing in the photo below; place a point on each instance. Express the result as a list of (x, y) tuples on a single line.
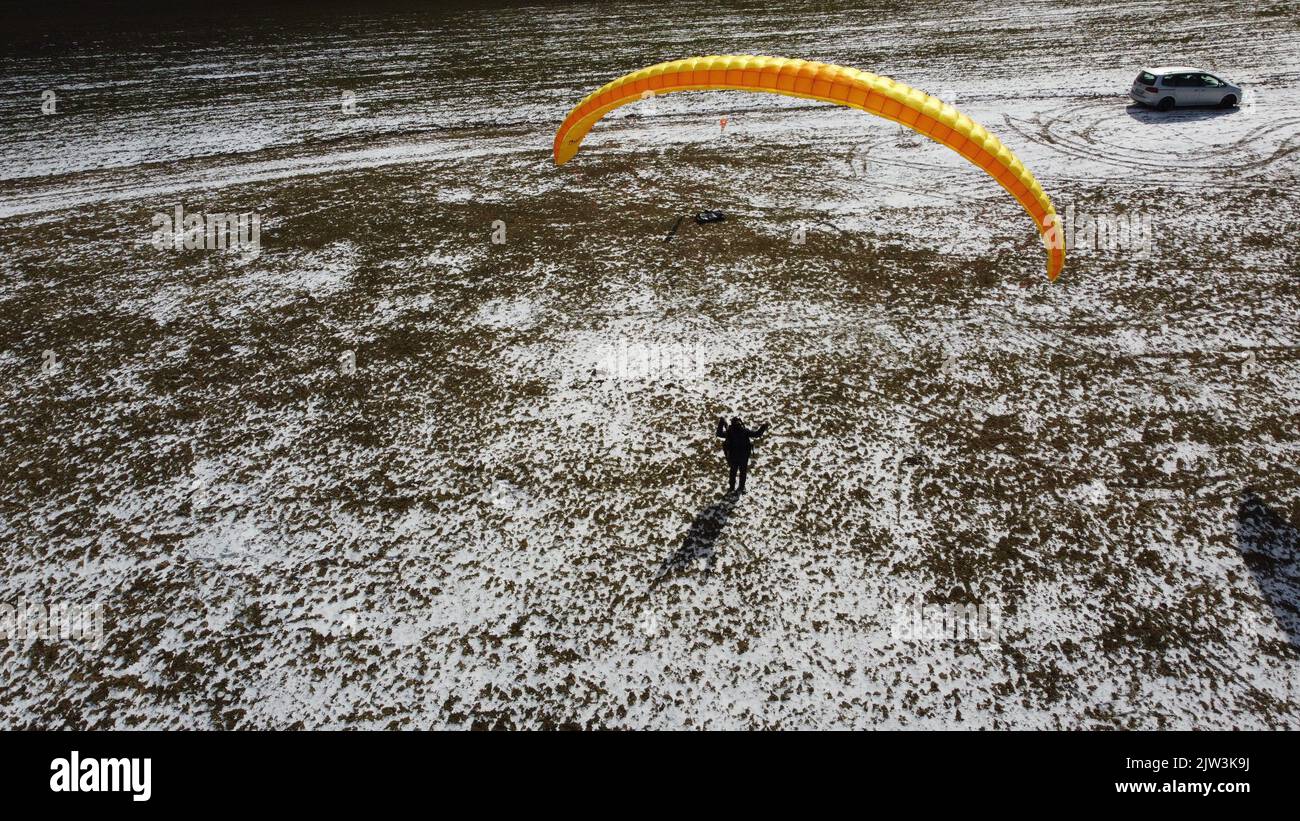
[(833, 84)]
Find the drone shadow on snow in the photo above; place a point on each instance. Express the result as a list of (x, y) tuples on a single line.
[(1269, 544), (701, 538)]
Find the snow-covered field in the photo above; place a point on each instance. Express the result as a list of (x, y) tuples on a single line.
[(387, 472)]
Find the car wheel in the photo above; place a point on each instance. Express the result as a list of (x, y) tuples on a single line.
[(1166, 104), (1228, 102)]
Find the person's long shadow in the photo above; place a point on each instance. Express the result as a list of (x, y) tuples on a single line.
[(701, 538), (1269, 545)]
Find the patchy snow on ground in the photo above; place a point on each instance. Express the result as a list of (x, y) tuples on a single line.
[(441, 453)]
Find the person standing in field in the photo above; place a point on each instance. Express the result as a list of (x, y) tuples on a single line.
[(737, 445)]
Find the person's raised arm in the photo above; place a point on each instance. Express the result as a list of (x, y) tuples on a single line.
[(762, 429), (722, 427)]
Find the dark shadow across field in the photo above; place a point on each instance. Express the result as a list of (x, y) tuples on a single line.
[(1268, 545)]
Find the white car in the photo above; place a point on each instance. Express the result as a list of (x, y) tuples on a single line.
[(1168, 86)]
